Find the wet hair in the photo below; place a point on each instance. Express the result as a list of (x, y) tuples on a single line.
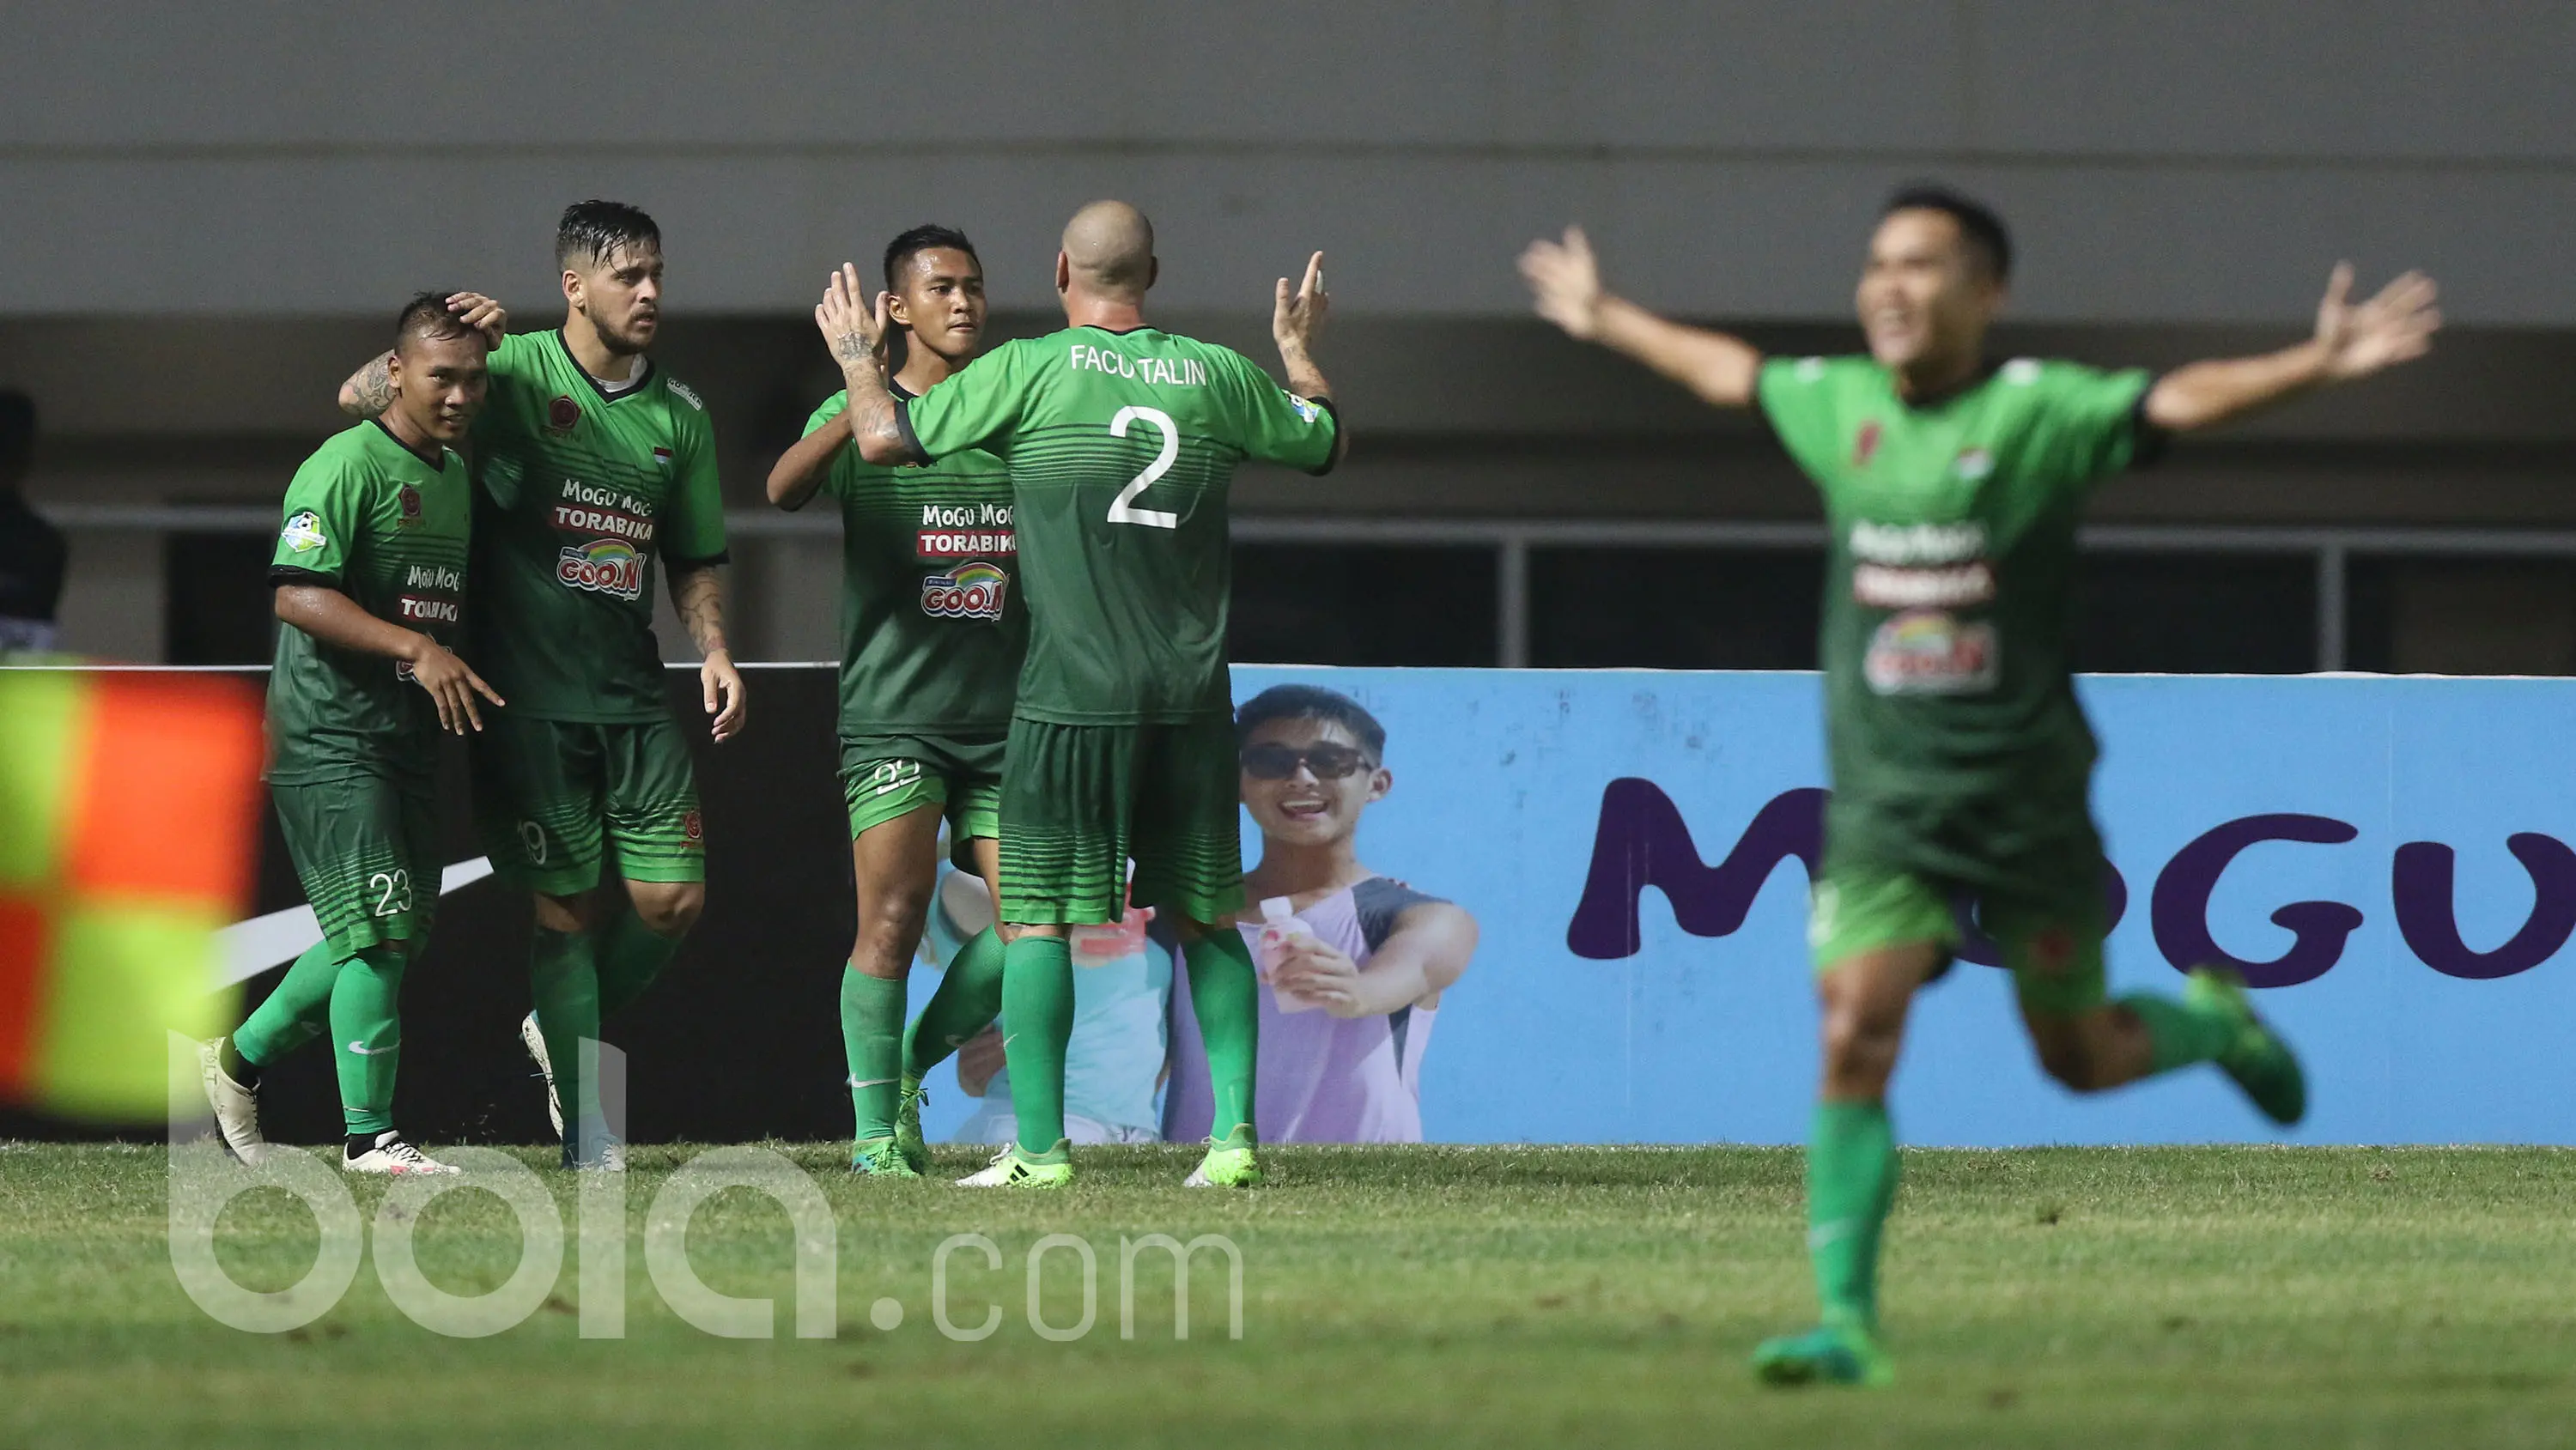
[(17, 432), (922, 239), (1310, 702), (426, 317), (593, 230), (1979, 227)]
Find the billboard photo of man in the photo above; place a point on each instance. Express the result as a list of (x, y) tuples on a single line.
[(1351, 988)]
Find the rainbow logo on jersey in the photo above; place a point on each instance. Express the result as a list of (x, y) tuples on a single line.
[(607, 566), (969, 591)]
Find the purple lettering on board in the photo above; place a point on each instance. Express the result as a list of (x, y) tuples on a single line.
[(1642, 841), (2179, 906), (2420, 880)]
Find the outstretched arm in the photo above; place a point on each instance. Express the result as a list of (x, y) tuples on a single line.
[(1423, 957), (1565, 286), (856, 333), (2353, 340), (803, 468), (1296, 320), (697, 592), (370, 390), (334, 618)]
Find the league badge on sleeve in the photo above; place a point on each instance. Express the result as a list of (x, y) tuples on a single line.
[(303, 532)]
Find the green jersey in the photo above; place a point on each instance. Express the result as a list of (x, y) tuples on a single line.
[(1956, 743), (931, 635), (1120, 447), (576, 489), (368, 517)]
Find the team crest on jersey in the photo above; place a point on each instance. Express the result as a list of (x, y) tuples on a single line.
[(969, 591), (1865, 443), (1974, 464), (1307, 408), (693, 831), (303, 532), (409, 497), (607, 566), (562, 414)]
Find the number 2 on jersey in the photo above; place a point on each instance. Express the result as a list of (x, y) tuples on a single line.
[(1122, 510)]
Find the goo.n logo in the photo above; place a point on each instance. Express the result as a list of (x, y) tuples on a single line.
[(969, 591), (608, 566)]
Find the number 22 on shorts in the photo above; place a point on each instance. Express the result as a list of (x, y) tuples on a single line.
[(1122, 510)]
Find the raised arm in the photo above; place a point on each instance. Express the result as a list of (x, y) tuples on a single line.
[(335, 619), (1296, 320), (697, 593), (856, 333), (2353, 340), (370, 390), (1565, 287), (802, 469)]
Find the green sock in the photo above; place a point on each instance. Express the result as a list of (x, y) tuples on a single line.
[(2178, 1034), (968, 998), (1037, 1023), (1225, 996), (366, 1035), (294, 1014), (629, 956), (1851, 1185), (563, 978), (872, 1036)]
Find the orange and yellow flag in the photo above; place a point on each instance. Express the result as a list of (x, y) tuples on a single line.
[(129, 808)]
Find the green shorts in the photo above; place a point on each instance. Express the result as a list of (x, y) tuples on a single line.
[(886, 776), (366, 849), (1080, 801), (550, 794), (2052, 945)]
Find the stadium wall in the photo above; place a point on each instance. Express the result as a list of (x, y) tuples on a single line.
[(2388, 857)]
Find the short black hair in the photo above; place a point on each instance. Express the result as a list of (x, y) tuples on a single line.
[(1979, 226), (1311, 702), (591, 230), (17, 432), (921, 239), (426, 316)]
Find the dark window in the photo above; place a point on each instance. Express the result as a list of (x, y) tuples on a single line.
[(2246, 614), (218, 607), (1332, 604), (1702, 609)]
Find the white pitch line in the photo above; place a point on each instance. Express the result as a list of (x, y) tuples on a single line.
[(252, 947)]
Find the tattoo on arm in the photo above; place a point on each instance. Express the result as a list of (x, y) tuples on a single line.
[(698, 594), (371, 391)]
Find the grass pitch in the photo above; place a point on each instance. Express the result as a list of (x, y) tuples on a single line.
[(1489, 1296)]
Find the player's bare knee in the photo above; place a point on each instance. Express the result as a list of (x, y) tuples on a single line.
[(671, 910), (2071, 1059), (561, 913), (891, 918)]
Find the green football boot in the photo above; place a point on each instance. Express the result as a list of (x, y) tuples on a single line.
[(1830, 1354), (2260, 1062), (1012, 1168), (907, 1124), (882, 1158), (1229, 1164)]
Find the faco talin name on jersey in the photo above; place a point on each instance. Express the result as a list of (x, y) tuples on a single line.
[(614, 565), (1923, 571), (1173, 372), (963, 531)]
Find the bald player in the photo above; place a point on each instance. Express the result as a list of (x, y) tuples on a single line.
[(1120, 439)]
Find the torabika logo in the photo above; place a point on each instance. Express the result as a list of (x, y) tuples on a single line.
[(969, 591)]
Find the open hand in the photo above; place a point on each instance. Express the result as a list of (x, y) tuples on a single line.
[(1565, 283), (1297, 318), (452, 685), (1312, 970), (2394, 327), (851, 327)]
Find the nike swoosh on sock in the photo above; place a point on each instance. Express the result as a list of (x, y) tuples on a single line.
[(363, 1050)]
